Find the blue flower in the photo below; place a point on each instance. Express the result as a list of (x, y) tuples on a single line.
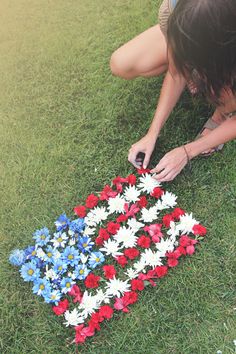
[(29, 271), (95, 259), (49, 254), (81, 272), (85, 244), (66, 285), (62, 222), (41, 286), (30, 252), (76, 226), (52, 296), (59, 266), (17, 257), (41, 236), (71, 255)]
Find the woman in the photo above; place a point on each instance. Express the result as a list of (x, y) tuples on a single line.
[(196, 44)]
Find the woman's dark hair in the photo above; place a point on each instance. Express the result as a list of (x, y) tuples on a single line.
[(202, 36)]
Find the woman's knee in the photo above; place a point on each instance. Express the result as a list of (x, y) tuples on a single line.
[(119, 65)]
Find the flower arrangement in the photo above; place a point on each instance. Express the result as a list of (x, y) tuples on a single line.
[(122, 240)]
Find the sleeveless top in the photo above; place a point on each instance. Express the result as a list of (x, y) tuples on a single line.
[(165, 10)]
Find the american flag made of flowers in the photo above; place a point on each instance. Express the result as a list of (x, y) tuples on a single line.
[(123, 239)]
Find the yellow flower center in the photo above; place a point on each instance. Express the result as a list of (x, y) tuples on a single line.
[(81, 271), (30, 271), (70, 256), (42, 237), (67, 285), (97, 259), (41, 287), (49, 254), (60, 239), (85, 245), (33, 253), (60, 268), (53, 296)]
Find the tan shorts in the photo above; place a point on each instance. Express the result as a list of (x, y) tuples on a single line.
[(164, 13)]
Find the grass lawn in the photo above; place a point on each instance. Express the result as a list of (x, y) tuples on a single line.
[(66, 125)]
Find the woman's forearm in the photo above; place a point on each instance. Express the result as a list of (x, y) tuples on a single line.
[(172, 88), (225, 132)]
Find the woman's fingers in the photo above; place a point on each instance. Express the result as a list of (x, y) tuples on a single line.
[(132, 158)]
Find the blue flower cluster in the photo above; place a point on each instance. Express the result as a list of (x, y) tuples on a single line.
[(55, 262)]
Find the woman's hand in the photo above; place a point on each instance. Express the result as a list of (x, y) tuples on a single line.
[(146, 146), (171, 164)]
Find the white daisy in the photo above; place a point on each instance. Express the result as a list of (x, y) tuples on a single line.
[(50, 274), (101, 297), (148, 215), (59, 240), (186, 223), (89, 304), (73, 318), (83, 258), (134, 224), (173, 230), (96, 215), (126, 236), (111, 247), (148, 183), (72, 242), (132, 273), (140, 266), (116, 205), (131, 194), (160, 206), (168, 199), (117, 287), (165, 245), (88, 231), (151, 258), (40, 253)]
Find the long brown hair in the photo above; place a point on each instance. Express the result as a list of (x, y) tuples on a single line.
[(202, 36)]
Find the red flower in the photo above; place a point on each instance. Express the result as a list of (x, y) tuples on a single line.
[(121, 218), (142, 202), (62, 306), (112, 227), (143, 170), (131, 253), (154, 229), (81, 333), (76, 293), (157, 192), (177, 212), (91, 201), (99, 241), (182, 250), (106, 311), (92, 281), (144, 241), (103, 234), (109, 271), (107, 193), (137, 284), (122, 260), (129, 298), (131, 179), (161, 271), (167, 220), (172, 260), (199, 229), (80, 210)]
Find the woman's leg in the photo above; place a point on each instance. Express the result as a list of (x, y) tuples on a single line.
[(144, 55)]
